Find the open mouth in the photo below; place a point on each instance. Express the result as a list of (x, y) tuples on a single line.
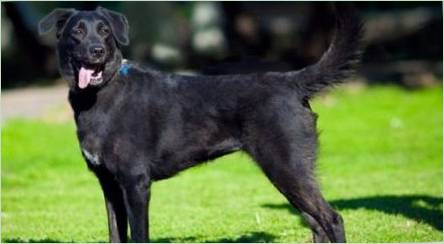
[(89, 74)]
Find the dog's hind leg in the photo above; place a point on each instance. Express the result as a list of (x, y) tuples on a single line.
[(295, 181), (115, 207), (319, 235), (286, 152)]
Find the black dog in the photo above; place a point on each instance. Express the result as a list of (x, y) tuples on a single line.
[(137, 125)]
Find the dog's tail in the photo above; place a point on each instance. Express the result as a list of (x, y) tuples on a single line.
[(340, 59)]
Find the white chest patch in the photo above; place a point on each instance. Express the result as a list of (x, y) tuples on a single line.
[(92, 158)]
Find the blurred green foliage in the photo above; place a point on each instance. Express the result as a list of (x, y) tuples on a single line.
[(236, 37)]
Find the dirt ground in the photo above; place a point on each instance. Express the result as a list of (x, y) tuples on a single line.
[(35, 102)]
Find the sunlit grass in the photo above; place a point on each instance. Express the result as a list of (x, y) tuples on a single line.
[(380, 165)]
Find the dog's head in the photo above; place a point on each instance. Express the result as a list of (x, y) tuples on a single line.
[(88, 44)]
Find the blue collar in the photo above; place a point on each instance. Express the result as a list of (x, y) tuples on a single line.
[(124, 68)]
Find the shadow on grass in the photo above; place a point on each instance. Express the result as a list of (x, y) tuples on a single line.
[(250, 237), (420, 208)]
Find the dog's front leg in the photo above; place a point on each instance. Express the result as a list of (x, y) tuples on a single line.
[(115, 206), (136, 191)]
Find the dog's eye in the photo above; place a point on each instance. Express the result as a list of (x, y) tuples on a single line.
[(103, 30), (77, 31)]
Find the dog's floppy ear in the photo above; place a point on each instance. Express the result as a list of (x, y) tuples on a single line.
[(57, 18), (119, 25)]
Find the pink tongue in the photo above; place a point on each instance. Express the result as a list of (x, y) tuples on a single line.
[(86, 77)]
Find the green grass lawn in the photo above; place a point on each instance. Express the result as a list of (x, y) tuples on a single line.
[(380, 165)]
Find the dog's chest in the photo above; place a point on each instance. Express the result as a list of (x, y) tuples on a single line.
[(91, 135), (92, 157), (97, 126), (91, 147)]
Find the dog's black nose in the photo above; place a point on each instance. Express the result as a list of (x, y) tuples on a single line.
[(97, 51)]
